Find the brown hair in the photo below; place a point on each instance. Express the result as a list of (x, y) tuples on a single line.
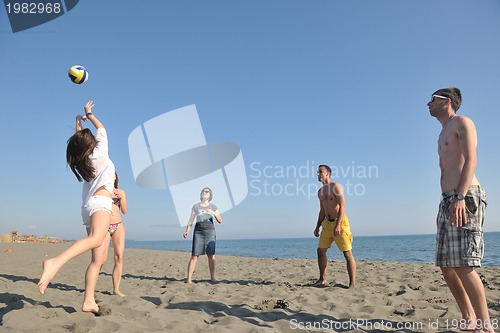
[(211, 195), (326, 167), (453, 94), (80, 147)]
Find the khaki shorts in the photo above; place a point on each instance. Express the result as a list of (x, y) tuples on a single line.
[(327, 237), (464, 246)]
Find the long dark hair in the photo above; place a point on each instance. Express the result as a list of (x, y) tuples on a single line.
[(80, 147), (116, 180)]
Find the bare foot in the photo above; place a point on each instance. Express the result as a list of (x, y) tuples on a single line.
[(486, 327), (189, 282), (119, 293), (320, 283), (470, 326), (94, 308), (49, 271), (466, 325), (482, 331), (352, 286)]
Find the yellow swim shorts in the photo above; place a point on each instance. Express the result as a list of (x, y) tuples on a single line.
[(343, 241)]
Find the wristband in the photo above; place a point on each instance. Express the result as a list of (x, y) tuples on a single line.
[(88, 114), (171, 151)]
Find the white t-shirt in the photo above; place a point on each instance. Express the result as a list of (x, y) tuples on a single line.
[(103, 166)]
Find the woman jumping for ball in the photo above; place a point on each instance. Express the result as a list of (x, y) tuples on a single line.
[(87, 156)]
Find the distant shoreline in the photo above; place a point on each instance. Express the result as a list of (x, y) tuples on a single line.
[(417, 248), (274, 238)]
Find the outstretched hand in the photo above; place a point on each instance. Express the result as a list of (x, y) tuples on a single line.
[(88, 107)]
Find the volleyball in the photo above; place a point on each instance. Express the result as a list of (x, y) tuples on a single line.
[(78, 74)]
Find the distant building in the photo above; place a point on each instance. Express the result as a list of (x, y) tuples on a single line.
[(6, 238), (13, 237)]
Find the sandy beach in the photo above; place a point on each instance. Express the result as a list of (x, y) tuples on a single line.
[(251, 295)]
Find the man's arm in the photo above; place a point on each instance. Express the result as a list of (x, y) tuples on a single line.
[(467, 138), (339, 194), (321, 217)]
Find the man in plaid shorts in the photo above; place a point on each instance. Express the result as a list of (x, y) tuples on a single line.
[(459, 240)]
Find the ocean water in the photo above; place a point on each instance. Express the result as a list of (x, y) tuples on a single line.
[(408, 248)]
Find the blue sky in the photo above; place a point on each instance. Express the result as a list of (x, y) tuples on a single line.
[(293, 83)]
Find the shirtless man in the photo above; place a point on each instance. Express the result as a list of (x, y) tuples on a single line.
[(332, 210), (459, 241)]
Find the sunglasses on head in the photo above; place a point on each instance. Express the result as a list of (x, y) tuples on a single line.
[(206, 191), (437, 96)]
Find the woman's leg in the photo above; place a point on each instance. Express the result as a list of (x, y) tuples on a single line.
[(210, 250), (99, 256), (118, 239), (211, 266), (94, 239), (191, 266)]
